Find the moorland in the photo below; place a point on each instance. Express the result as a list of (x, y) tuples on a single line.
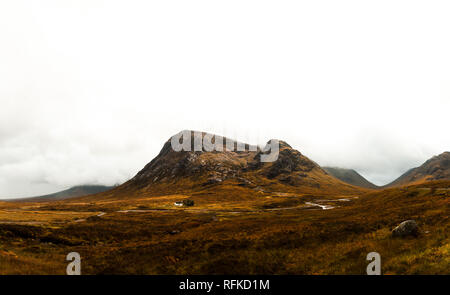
[(247, 217)]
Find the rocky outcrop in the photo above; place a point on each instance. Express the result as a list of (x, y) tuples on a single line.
[(183, 169), (289, 160), (406, 228), (171, 165)]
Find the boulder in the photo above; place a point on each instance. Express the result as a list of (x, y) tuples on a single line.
[(406, 228)]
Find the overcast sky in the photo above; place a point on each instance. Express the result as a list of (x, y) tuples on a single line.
[(90, 90)]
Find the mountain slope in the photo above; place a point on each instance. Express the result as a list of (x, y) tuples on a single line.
[(350, 176), (436, 168), (229, 173), (73, 192)]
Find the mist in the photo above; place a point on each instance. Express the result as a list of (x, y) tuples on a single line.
[(91, 90)]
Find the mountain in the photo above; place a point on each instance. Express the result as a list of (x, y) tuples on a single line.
[(228, 173), (350, 176), (436, 168), (76, 191)]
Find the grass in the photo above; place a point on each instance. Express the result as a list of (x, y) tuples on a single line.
[(230, 235)]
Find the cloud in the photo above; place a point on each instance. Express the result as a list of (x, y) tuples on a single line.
[(91, 90)]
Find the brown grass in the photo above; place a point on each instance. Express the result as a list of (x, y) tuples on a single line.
[(226, 234)]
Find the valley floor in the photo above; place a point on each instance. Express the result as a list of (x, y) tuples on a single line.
[(279, 233)]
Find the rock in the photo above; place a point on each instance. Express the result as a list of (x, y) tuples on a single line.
[(289, 160), (406, 228)]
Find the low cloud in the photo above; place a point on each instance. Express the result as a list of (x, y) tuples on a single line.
[(87, 99)]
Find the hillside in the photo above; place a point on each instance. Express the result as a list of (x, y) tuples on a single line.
[(436, 168), (250, 217), (271, 235), (73, 192), (229, 174), (350, 176)]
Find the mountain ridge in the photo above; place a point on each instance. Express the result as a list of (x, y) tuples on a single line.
[(72, 192), (435, 168), (350, 176), (218, 172)]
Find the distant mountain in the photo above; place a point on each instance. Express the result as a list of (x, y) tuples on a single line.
[(350, 176), (76, 191), (436, 168), (228, 173)]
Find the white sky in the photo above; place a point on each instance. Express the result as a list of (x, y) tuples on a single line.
[(90, 90)]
